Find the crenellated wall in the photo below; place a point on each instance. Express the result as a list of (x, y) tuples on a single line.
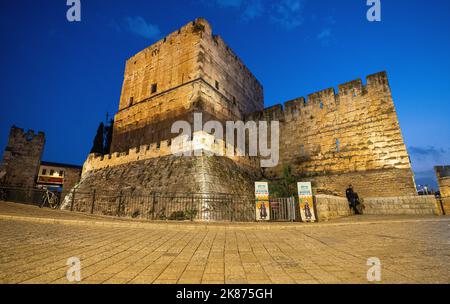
[(347, 137), (201, 141), (330, 138)]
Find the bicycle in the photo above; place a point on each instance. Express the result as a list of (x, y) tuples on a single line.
[(49, 198)]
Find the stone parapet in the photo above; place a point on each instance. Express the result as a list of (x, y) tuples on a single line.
[(330, 207), (405, 205), (201, 143)]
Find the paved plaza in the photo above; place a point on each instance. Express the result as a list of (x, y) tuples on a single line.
[(36, 244)]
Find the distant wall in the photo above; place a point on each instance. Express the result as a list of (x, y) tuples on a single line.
[(371, 183), (350, 136), (443, 177), (406, 205), (22, 158)]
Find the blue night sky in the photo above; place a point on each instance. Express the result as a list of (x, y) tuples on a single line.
[(62, 78)]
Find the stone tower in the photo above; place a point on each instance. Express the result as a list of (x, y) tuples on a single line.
[(190, 70), (22, 158)]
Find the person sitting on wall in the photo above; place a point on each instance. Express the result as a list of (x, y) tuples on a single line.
[(353, 199)]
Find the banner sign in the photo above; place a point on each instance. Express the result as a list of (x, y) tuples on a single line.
[(262, 201), (305, 199), (50, 180)]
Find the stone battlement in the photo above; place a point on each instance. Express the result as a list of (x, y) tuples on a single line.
[(202, 141), (324, 99), (29, 135), (199, 25)]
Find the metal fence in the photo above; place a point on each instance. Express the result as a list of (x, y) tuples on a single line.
[(284, 209), (159, 206), (164, 206), (30, 196)]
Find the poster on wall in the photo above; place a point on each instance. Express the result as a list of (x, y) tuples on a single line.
[(262, 201), (305, 199)]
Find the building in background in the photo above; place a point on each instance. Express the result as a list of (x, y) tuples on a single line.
[(22, 167), (58, 176)]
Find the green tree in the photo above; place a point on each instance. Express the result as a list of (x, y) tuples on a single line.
[(108, 137), (97, 146), (286, 185)]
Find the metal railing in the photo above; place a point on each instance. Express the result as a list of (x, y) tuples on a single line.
[(164, 206), (157, 206), (284, 209), (30, 196)]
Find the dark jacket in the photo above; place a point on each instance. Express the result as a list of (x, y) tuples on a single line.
[(350, 194)]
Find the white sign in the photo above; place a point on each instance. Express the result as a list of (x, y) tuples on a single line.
[(262, 201), (305, 198)]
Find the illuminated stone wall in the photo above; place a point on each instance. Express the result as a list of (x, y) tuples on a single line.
[(347, 137), (332, 138), (188, 71)]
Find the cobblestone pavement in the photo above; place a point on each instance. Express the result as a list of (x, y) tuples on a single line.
[(36, 243)]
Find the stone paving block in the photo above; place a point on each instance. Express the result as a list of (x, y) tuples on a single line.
[(411, 250)]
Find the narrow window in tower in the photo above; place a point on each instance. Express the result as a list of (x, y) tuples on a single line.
[(338, 145), (302, 150), (234, 100), (131, 101), (154, 88), (217, 85), (321, 105)]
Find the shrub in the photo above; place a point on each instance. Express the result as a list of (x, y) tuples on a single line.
[(178, 216)]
